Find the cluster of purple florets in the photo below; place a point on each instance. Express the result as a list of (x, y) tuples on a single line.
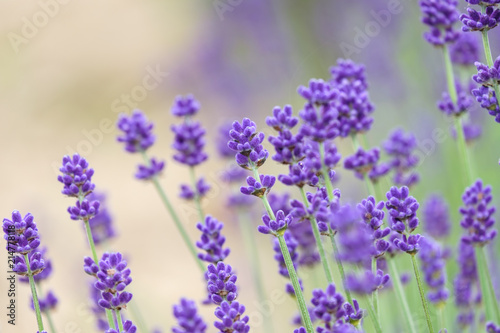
[(440, 16)]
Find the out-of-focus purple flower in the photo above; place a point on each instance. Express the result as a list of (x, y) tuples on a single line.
[(222, 139), (48, 303), (464, 102), (354, 236), (472, 132), (186, 106), (480, 21), (101, 224), (187, 192), (492, 328), (189, 143), (291, 291), (433, 262), (400, 146), (378, 171), (212, 241), (353, 314), (465, 283), (292, 246), (440, 15), (128, 327), (466, 50), (258, 188), (487, 76), (97, 310), (436, 216), (319, 123), (137, 132), (275, 227), (486, 97), (113, 276), (247, 143), (483, 2), (362, 161), (76, 176), (153, 169), (366, 283), (188, 319), (477, 214), (221, 283), (318, 93), (231, 318)]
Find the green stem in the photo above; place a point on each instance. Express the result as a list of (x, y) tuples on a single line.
[(375, 293), (304, 313), (197, 198), (340, 266), (329, 190), (251, 248), (487, 290), (111, 321), (421, 291), (46, 313), (368, 183), (373, 316), (33, 293), (463, 150), (489, 58), (317, 237), (440, 309), (119, 320), (175, 217), (400, 294)]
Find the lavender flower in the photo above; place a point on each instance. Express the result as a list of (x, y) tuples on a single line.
[(464, 284), (188, 193), (362, 161), (464, 102), (188, 319), (275, 227), (102, 223), (492, 328), (440, 15), (21, 233), (436, 217), (487, 76), (137, 132), (282, 118), (433, 263), (231, 318), (478, 218), (403, 216), (48, 303), (256, 188), (128, 327), (185, 106), (189, 143), (289, 147), (477, 21), (367, 283), (400, 147), (247, 144), (221, 283), (212, 241), (465, 50), (319, 123), (346, 71), (328, 304), (486, 97), (46, 272), (76, 176), (153, 169), (318, 93), (373, 216), (113, 277)]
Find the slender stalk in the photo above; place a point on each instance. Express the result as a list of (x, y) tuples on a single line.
[(340, 266), (375, 293), (461, 143), (489, 57), (197, 199), (421, 290), (46, 313), (91, 240), (34, 294), (119, 320), (368, 183), (373, 316), (304, 313), (317, 237), (175, 217), (329, 190), (251, 248), (400, 294), (111, 320), (487, 290), (440, 311)]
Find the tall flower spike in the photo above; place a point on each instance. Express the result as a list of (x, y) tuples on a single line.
[(21, 233), (221, 283), (113, 276), (436, 216), (231, 318), (477, 214), (137, 132), (188, 319), (480, 21), (212, 241), (247, 143), (76, 176), (440, 15), (189, 143)]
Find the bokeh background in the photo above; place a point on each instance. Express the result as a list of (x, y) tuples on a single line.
[(66, 74)]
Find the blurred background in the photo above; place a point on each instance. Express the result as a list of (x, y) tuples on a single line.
[(69, 68)]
